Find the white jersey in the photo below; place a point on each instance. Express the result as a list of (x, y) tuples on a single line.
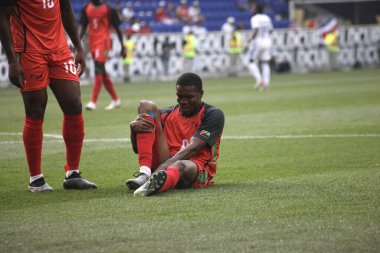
[(260, 48), (264, 25)]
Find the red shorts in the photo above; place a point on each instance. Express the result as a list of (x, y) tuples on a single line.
[(40, 68), (100, 55), (206, 172)]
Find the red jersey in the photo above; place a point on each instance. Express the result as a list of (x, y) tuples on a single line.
[(207, 125), (37, 26), (99, 21)]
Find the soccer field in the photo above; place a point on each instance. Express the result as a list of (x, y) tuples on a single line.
[(299, 171)]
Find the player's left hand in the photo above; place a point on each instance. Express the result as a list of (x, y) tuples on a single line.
[(16, 74), (80, 62)]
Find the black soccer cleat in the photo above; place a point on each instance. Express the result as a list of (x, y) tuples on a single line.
[(40, 185), (76, 182), (153, 185), (139, 180)]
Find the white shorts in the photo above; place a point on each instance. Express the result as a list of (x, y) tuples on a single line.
[(260, 50)]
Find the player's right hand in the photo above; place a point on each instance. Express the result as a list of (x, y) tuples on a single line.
[(16, 74), (142, 125)]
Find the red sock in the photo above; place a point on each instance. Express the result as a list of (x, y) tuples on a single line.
[(109, 86), (172, 177), (32, 136), (73, 134), (145, 142), (96, 89)]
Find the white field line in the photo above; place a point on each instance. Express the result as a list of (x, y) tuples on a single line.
[(59, 139)]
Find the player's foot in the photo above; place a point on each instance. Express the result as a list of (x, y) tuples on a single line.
[(76, 182), (136, 182), (259, 85), (39, 185), (114, 104), (155, 182), (91, 106)]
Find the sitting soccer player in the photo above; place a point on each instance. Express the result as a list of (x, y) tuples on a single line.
[(178, 144)]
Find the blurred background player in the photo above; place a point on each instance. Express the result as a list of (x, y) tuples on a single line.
[(260, 48), (189, 51), (129, 45), (180, 144), (330, 35), (229, 26), (39, 53), (235, 48), (167, 48), (99, 17)]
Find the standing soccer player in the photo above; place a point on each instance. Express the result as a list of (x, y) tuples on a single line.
[(99, 17), (180, 144), (39, 56), (260, 48)]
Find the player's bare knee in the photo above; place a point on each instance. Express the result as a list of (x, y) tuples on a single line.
[(147, 106)]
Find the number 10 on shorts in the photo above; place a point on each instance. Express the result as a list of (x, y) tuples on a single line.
[(70, 67)]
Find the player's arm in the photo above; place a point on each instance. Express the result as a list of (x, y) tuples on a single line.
[(84, 23), (15, 71), (115, 21), (70, 25), (196, 144)]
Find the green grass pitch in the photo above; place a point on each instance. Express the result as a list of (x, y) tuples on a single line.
[(299, 171)]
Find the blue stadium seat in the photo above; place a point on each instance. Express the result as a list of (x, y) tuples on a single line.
[(214, 12)]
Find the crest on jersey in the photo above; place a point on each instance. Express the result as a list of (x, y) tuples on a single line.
[(204, 133)]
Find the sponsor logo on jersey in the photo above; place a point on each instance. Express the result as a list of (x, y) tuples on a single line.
[(36, 77)]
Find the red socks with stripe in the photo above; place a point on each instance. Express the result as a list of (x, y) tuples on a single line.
[(145, 142), (172, 177), (109, 87), (73, 135), (96, 89), (32, 137)]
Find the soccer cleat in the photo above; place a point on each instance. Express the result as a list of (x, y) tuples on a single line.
[(91, 106), (155, 182), (136, 182), (39, 185), (259, 85), (114, 104), (76, 182)]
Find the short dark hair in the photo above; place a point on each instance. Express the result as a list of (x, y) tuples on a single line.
[(259, 9), (190, 79)]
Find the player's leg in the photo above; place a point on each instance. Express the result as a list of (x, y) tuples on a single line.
[(126, 71), (115, 103), (99, 73), (35, 99), (181, 174), (254, 67), (68, 96), (152, 147), (35, 104), (265, 59)]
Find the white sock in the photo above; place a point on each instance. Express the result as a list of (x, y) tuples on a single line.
[(146, 170), (70, 172), (34, 178), (255, 72), (266, 73)]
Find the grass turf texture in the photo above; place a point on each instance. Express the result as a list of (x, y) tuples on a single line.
[(316, 193)]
